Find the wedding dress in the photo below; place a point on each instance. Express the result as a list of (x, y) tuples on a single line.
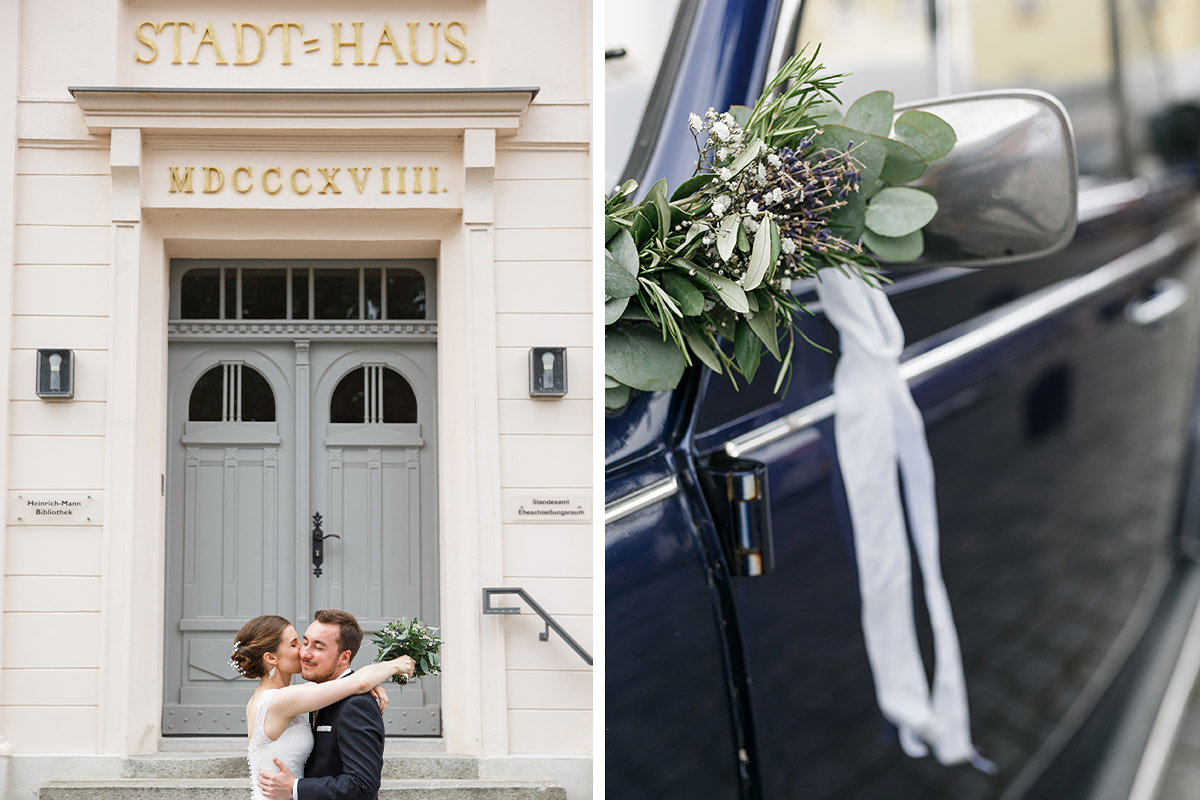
[(292, 747)]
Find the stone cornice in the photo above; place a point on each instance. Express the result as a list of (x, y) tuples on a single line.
[(248, 111)]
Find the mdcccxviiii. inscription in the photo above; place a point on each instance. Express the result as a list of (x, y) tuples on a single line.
[(244, 44), (303, 180)]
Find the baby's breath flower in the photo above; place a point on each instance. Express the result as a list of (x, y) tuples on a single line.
[(695, 123), (720, 131)]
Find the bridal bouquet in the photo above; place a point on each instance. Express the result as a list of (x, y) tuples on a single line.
[(411, 638), (781, 191)]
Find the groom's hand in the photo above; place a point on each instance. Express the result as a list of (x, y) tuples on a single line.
[(277, 785)]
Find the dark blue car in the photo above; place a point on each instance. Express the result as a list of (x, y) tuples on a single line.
[(1058, 394)]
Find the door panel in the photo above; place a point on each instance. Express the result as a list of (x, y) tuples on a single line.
[(1057, 451), (374, 484), (230, 528)]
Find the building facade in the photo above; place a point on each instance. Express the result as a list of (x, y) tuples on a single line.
[(279, 278)]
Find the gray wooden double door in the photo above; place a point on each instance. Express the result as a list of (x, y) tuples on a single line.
[(262, 436)]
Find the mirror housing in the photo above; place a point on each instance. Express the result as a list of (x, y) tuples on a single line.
[(1009, 189)]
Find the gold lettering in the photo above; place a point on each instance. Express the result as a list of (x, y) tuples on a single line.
[(287, 38), (450, 40), (278, 186), (386, 171), (433, 180), (359, 183), (240, 35), (209, 38), (178, 24), (148, 42), (338, 44), (400, 180), (412, 42), (209, 172), (296, 188), (417, 180), (234, 180), (329, 184), (389, 39), (181, 183)]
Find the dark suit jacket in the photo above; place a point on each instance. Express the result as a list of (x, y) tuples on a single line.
[(347, 760)]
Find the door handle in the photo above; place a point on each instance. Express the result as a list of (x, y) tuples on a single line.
[(318, 546), (1169, 295)]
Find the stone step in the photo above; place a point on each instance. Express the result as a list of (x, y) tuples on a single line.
[(239, 789), (201, 765)]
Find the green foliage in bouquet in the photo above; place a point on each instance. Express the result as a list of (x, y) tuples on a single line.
[(781, 191), (403, 637)]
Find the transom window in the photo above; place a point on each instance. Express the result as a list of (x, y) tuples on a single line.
[(231, 392), (373, 394), (302, 293)]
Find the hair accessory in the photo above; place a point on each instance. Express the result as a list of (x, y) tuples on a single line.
[(233, 664)]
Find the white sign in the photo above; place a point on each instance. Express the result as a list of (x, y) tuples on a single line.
[(54, 508), (548, 506)]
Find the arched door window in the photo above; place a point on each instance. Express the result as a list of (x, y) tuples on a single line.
[(373, 394), (231, 392)]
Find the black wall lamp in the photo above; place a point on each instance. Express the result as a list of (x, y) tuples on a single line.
[(56, 374), (547, 371)]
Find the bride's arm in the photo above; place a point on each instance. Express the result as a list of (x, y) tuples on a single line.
[(305, 697)]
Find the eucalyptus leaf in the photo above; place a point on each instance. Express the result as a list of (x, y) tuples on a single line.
[(689, 299), (613, 309), (747, 349), (872, 113), (760, 257), (825, 113), (936, 129), (764, 327), (691, 186), (637, 356), (847, 221), (900, 248), (727, 232), (618, 283), (730, 293), (743, 240), (610, 229), (624, 251), (617, 397), (903, 163), (899, 210), (610, 382)]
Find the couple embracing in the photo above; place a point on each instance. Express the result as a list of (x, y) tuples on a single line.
[(321, 740)]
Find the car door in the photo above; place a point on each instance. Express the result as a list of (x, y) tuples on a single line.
[(1056, 396)]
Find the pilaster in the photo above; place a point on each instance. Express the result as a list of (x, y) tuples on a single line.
[(119, 673)]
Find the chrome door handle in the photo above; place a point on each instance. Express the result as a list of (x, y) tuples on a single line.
[(1169, 296)]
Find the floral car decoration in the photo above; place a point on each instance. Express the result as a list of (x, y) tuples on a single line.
[(781, 191)]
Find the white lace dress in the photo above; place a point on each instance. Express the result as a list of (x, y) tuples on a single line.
[(292, 747)]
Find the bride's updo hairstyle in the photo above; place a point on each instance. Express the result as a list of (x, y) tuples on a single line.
[(257, 637)]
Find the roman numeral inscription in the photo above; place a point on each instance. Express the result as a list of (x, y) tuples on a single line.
[(303, 180)]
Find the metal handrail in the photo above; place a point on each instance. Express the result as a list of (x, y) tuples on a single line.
[(488, 608)]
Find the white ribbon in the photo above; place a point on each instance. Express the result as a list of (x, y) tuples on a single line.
[(877, 427)]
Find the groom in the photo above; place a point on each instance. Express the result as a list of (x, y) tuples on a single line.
[(347, 755)]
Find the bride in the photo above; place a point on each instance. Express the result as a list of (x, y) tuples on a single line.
[(276, 716)]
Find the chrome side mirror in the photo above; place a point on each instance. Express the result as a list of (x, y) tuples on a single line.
[(1008, 191)]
